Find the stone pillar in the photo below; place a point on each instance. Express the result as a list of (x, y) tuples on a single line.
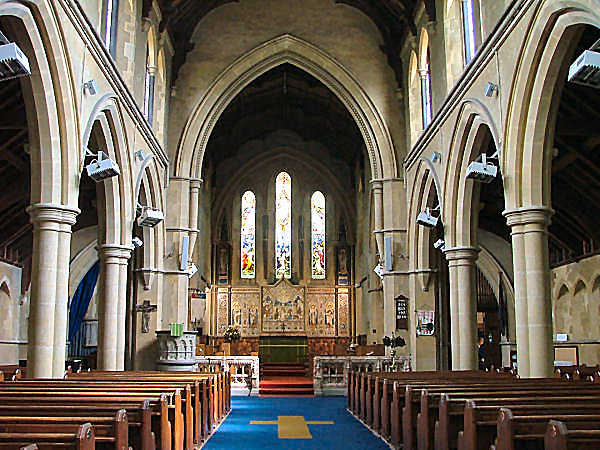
[(533, 305), (62, 294), (194, 194), (110, 317), (49, 278), (122, 307), (175, 293), (377, 188), (463, 307)]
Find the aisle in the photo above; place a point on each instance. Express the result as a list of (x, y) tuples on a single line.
[(292, 423)]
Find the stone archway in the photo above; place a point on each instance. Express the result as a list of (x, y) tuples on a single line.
[(530, 130), (292, 50)]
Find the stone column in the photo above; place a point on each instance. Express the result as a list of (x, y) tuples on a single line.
[(463, 307), (47, 280), (533, 305), (194, 194), (62, 293), (122, 307), (112, 257), (175, 293), (377, 188)]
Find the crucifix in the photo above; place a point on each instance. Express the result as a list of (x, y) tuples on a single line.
[(145, 308), (283, 326)]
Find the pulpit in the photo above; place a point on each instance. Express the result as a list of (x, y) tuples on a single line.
[(176, 353)]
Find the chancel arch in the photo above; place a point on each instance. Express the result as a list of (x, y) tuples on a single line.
[(292, 50)]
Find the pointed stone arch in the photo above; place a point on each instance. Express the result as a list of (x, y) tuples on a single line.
[(474, 123), (535, 94), (52, 121), (280, 50)]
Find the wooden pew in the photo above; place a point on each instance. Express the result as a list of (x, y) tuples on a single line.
[(528, 428), (168, 431), (460, 416), (138, 415), (110, 432), (122, 390), (83, 438), (217, 385), (430, 399), (558, 437)]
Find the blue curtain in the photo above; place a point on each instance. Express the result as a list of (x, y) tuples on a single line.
[(81, 299)]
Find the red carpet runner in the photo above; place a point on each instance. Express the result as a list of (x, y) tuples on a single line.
[(284, 379)]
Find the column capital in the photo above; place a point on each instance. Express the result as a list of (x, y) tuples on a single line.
[(526, 215), (466, 254), (53, 212), (376, 184), (119, 252)]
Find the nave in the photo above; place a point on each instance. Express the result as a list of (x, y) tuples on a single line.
[(292, 423)]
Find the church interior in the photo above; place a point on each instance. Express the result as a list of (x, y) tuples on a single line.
[(303, 222)]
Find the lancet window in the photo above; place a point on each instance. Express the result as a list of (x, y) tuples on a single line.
[(248, 235), (283, 226), (318, 235)]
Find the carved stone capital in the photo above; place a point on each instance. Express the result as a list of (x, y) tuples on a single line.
[(458, 256), (53, 212), (529, 215)]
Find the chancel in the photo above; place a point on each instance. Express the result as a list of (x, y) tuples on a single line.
[(357, 207)]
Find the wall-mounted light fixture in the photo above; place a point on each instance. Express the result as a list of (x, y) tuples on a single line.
[(482, 169), (101, 168), (13, 62), (91, 87), (491, 89)]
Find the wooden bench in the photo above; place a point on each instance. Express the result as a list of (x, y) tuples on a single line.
[(138, 417), (559, 437), (452, 419), (167, 420), (527, 429), (83, 438), (110, 432)]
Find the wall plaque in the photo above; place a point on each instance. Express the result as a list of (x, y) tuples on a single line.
[(401, 313)]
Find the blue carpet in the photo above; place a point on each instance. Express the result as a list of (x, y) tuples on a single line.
[(346, 432)]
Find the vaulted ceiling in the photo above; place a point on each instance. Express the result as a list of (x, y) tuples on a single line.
[(394, 18)]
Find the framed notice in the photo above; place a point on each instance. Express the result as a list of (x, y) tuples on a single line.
[(401, 313), (425, 323)]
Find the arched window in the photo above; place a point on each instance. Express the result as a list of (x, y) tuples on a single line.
[(468, 19), (425, 74), (318, 235), (283, 225), (109, 29), (149, 81), (248, 235)]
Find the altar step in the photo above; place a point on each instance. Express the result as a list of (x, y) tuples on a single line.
[(282, 370), (285, 386)]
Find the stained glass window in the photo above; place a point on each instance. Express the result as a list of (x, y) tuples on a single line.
[(248, 233), (318, 235), (426, 94), (469, 30), (283, 226)]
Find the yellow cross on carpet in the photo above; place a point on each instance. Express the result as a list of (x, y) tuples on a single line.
[(292, 427)]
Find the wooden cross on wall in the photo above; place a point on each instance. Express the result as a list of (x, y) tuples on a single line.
[(145, 308)]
